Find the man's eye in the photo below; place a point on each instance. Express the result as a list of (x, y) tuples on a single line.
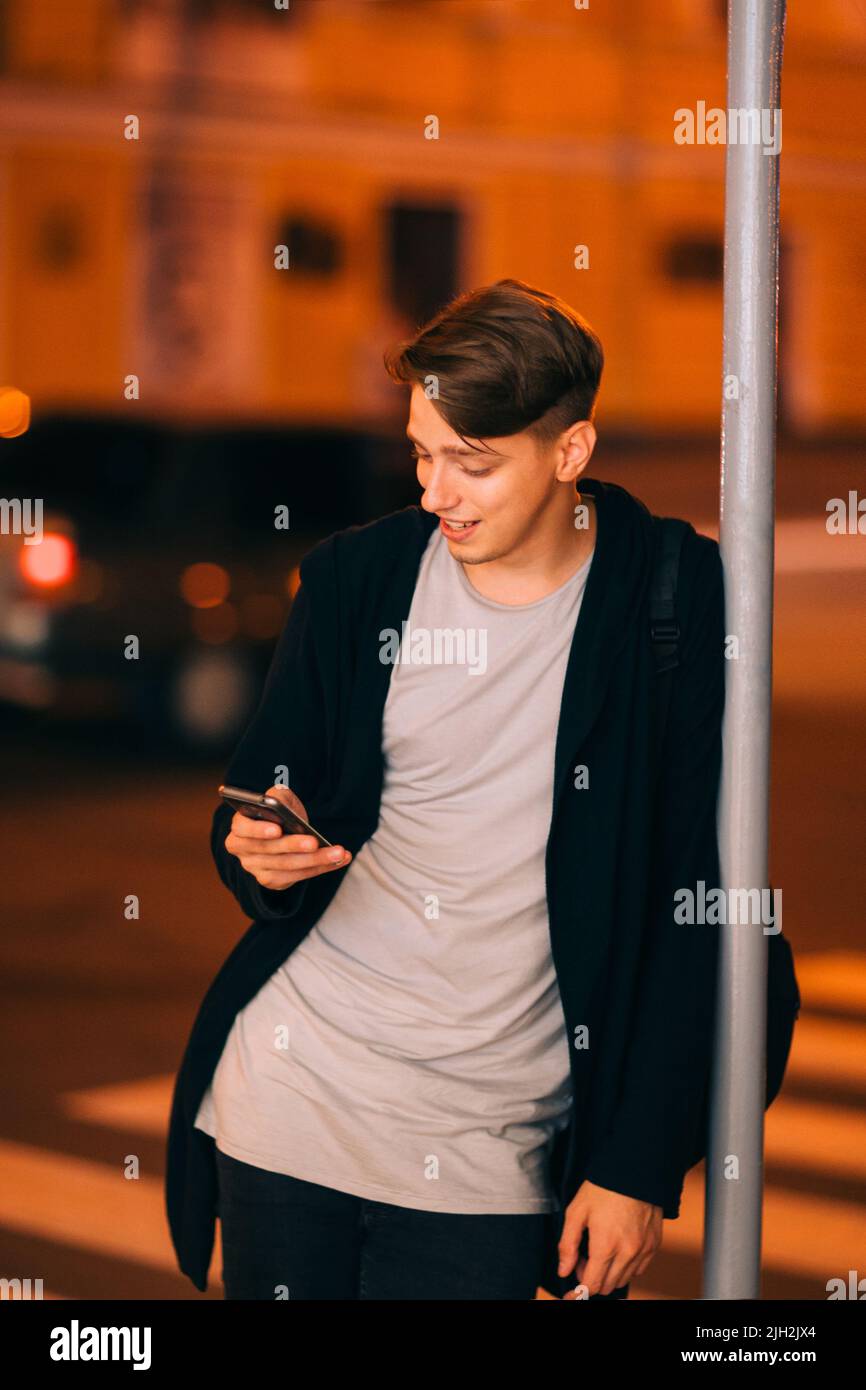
[(473, 472)]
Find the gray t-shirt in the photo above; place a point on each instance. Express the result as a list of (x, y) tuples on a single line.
[(412, 1049)]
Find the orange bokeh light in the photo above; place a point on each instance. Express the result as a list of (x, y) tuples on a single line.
[(50, 563), (204, 585)]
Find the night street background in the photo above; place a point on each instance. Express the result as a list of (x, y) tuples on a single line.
[(216, 217)]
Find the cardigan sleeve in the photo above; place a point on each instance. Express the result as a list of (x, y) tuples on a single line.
[(288, 728), (647, 1150)]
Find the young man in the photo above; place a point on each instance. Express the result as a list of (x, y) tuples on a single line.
[(471, 1056)]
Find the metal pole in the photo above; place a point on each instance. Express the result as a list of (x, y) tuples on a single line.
[(732, 1250)]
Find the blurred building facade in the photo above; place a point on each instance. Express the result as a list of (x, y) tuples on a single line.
[(156, 154)]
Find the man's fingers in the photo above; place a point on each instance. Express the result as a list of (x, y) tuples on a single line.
[(269, 837), (588, 1272), (595, 1273), (264, 876), (249, 828), (569, 1242), (290, 863)]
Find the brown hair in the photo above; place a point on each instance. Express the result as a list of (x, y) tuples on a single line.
[(505, 358)]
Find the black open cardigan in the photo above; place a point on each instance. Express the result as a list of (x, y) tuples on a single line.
[(617, 849)]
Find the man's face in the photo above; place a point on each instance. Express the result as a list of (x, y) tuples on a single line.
[(506, 489)]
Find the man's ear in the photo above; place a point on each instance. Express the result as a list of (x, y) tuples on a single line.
[(574, 450)]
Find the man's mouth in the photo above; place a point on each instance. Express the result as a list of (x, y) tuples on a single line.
[(457, 528)]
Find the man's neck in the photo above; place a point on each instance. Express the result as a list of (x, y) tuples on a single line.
[(512, 580)]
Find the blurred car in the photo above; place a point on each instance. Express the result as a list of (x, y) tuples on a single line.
[(159, 582)]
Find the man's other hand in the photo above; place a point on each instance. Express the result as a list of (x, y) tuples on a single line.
[(624, 1235)]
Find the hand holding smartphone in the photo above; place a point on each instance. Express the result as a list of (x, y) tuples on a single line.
[(273, 840)]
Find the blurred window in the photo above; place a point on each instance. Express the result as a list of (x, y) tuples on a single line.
[(696, 260), (315, 247), (423, 256)]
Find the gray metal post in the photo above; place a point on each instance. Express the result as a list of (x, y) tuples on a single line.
[(732, 1248)]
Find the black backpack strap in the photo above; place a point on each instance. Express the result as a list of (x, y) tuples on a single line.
[(664, 628)]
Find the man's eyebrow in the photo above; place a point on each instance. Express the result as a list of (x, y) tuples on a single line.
[(456, 449)]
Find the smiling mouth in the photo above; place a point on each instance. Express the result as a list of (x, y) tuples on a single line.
[(457, 525)]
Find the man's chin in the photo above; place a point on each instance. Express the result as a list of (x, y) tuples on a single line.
[(473, 551), (475, 555)]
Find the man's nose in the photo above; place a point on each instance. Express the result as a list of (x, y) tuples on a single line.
[(439, 495)]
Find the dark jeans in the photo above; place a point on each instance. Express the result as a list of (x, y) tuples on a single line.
[(284, 1237)]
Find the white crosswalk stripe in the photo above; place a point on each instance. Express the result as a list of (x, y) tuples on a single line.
[(80, 1203)]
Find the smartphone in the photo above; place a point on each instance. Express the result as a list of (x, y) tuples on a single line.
[(258, 806)]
